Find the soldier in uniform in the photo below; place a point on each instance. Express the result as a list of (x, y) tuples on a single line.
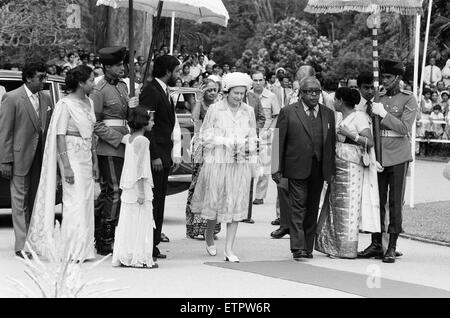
[(111, 103), (397, 109)]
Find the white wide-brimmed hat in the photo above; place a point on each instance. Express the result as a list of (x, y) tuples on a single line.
[(236, 79)]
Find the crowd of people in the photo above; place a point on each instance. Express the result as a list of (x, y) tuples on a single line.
[(248, 128)]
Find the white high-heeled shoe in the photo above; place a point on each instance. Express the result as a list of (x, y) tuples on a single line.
[(211, 250), (230, 258)]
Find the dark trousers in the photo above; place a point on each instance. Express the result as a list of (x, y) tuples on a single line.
[(392, 180), (304, 197), (285, 206), (160, 180), (23, 193), (107, 206)]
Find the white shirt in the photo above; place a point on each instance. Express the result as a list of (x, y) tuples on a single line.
[(176, 133), (437, 75), (34, 99), (163, 85), (362, 106), (306, 108)]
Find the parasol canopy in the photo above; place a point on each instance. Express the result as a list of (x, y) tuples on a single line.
[(403, 7), (212, 11)]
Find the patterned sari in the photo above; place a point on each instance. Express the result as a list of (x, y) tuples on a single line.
[(351, 203)]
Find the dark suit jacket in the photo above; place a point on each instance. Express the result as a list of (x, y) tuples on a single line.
[(20, 128), (296, 145), (154, 98), (253, 100)]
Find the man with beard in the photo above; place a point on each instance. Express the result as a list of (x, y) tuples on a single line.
[(397, 109), (155, 97), (111, 103)]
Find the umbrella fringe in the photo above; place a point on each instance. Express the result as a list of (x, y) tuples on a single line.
[(403, 7)]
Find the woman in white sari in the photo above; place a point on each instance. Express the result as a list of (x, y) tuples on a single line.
[(70, 145), (352, 202)]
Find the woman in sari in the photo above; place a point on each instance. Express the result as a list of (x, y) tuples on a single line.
[(351, 203), (70, 145), (195, 224), (228, 135)]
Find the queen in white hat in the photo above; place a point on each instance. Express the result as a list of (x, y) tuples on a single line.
[(229, 138)]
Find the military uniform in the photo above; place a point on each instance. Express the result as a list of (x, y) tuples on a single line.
[(399, 113), (110, 97)]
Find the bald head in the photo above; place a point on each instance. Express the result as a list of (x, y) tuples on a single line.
[(305, 71)]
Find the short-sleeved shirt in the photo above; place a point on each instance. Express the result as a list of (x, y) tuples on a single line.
[(269, 104)]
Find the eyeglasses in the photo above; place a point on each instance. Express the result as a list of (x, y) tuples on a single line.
[(42, 77), (312, 91)]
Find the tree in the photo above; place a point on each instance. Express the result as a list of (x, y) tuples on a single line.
[(289, 44)]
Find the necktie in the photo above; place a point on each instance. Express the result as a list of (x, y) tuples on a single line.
[(35, 103), (311, 113), (431, 75), (369, 108)]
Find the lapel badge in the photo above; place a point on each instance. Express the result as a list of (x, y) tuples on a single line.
[(395, 108)]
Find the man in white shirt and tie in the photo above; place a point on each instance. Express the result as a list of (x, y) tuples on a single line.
[(24, 118), (367, 91), (432, 74)]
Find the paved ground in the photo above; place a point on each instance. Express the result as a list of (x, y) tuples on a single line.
[(184, 274)]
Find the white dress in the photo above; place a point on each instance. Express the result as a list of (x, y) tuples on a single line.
[(134, 234), (78, 198)]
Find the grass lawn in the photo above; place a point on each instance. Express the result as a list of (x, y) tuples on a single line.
[(428, 220)]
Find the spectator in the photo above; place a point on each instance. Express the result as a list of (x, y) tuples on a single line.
[(436, 119), (186, 76), (202, 63), (72, 63), (440, 86), (445, 104), (271, 79), (85, 60), (196, 68), (434, 98), (210, 59), (141, 61), (97, 63), (51, 69), (64, 71), (226, 69), (352, 83), (91, 61), (446, 74), (432, 74), (233, 69), (61, 59), (216, 71)]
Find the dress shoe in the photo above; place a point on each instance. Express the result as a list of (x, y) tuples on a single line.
[(104, 250), (389, 257), (212, 250), (309, 255), (249, 221), (374, 250), (298, 255), (280, 233), (275, 222), (19, 254), (258, 202), (161, 256), (164, 238), (230, 258), (398, 254)]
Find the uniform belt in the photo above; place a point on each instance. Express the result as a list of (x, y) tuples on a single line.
[(390, 134), (115, 122)]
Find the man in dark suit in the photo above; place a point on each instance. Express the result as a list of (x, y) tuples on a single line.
[(24, 117), (307, 152), (155, 97)]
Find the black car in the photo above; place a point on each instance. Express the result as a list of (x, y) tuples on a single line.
[(179, 180)]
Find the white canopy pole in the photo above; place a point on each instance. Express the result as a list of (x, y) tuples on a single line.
[(416, 93), (172, 33), (425, 47)]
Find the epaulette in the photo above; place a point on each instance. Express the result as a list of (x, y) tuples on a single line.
[(404, 91)]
